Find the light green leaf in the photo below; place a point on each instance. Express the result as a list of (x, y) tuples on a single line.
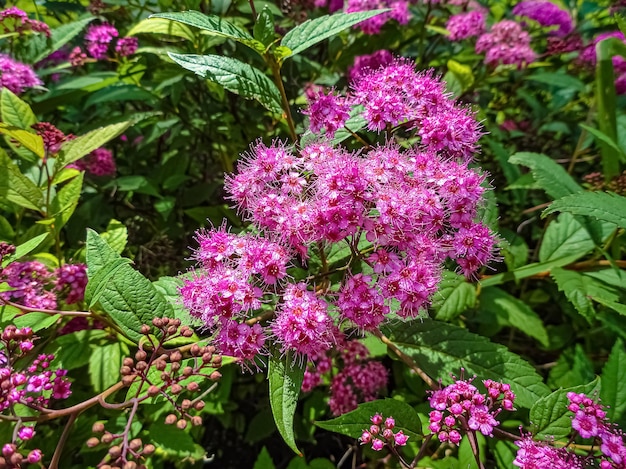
[(604, 206), (174, 442), (550, 176), (264, 28), (29, 140), (129, 298), (100, 280), (58, 38), (161, 26), (442, 349), (74, 349), (454, 296), (513, 312), (603, 138), (74, 150), (36, 321), (285, 375), (65, 202), (573, 368), (16, 112), (116, 236), (613, 393), (549, 415), (25, 248), (235, 76), (17, 188), (353, 423), (105, 362), (313, 31)]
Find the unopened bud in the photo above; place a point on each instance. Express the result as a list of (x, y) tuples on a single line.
[(128, 380), (199, 405), (115, 451), (215, 376), (130, 465), (153, 390), (97, 427), (195, 350), (171, 419), (16, 459), (125, 370), (141, 355), (148, 449), (187, 371), (128, 361), (175, 366), (172, 330), (176, 356), (186, 404), (107, 438), (181, 424), (145, 329), (196, 421), (217, 361), (141, 366), (186, 332), (193, 386), (135, 444), (92, 442), (176, 388), (157, 322), (206, 357), (160, 365)]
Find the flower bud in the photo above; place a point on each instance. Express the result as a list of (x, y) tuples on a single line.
[(215, 376), (97, 427), (92, 442), (175, 366), (186, 404), (171, 419), (128, 361), (195, 350), (141, 355), (196, 421), (115, 451), (16, 459), (176, 388), (193, 386), (125, 370), (199, 405), (187, 371), (153, 390), (148, 449), (135, 444), (107, 438), (176, 356), (130, 465), (157, 322), (145, 329), (181, 424), (128, 380), (141, 366)]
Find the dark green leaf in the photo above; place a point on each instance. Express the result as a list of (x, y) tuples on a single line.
[(613, 393), (550, 176), (604, 206), (442, 349), (313, 31), (566, 236), (17, 188), (98, 283), (58, 38), (264, 26), (573, 368), (36, 321), (264, 460), (105, 362), (235, 76), (454, 296), (573, 285), (285, 375), (65, 202), (353, 423), (74, 349)]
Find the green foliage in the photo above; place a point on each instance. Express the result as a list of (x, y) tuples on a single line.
[(599, 205)]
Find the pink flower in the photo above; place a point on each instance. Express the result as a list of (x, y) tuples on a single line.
[(98, 38)]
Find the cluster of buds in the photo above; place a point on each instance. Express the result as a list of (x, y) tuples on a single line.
[(14, 20), (381, 433), (13, 458), (459, 408), (180, 371), (6, 249), (35, 385)]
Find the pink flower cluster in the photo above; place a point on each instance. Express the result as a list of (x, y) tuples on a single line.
[(466, 25), (34, 285), (414, 208), (52, 137), (357, 379), (588, 56), (460, 408), (328, 112), (506, 43), (99, 162), (547, 14), (35, 385), (381, 433), (399, 12), (15, 20), (364, 64), (17, 76), (98, 40), (538, 455)]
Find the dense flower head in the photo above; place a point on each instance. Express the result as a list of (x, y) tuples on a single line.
[(99, 162), (72, 278), (399, 12), (52, 137), (29, 282), (17, 76), (381, 434), (364, 64), (538, 455), (506, 43), (546, 14), (77, 57), (126, 46), (460, 407), (15, 20), (98, 38), (466, 25), (328, 112)]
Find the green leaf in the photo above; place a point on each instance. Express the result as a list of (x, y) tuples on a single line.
[(454, 296), (169, 288), (566, 236), (65, 202), (573, 285), (353, 423), (462, 73), (604, 206), (17, 188), (74, 150), (573, 368), (214, 25), (235, 76), (527, 271), (24, 249), (74, 349), (603, 138), (174, 442), (105, 362), (16, 112), (513, 312), (58, 38), (285, 375), (264, 26), (29, 140), (442, 349), (613, 393), (550, 176), (264, 460), (549, 415), (162, 26), (116, 236), (100, 280), (36, 321), (313, 31), (129, 298)]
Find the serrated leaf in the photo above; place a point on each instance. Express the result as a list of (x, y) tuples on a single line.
[(264, 27), (603, 206), (565, 236), (313, 31), (605, 139), (162, 26), (285, 376), (514, 312), (235, 76), (613, 393), (74, 349), (214, 25), (105, 362), (442, 349), (65, 202), (454, 296), (29, 140), (548, 174), (573, 368), (58, 38), (353, 423), (100, 280), (36, 321), (115, 236), (129, 298), (24, 249), (16, 112), (74, 150), (549, 415), (17, 188), (264, 460), (572, 284), (174, 442)]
